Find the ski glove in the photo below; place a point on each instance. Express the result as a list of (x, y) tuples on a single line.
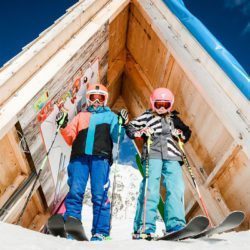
[(177, 133), (62, 119), (144, 132), (123, 114)]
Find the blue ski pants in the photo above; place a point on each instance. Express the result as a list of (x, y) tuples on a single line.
[(79, 170), (174, 211)]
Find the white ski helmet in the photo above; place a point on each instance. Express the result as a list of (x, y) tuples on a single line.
[(97, 93)]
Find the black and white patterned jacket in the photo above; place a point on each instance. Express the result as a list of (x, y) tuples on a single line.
[(164, 145)]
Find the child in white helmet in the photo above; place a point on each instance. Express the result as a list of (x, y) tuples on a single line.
[(91, 135)]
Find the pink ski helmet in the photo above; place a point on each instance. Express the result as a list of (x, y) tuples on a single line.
[(162, 95)]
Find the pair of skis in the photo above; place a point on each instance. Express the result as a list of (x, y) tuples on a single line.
[(198, 227), (71, 228)]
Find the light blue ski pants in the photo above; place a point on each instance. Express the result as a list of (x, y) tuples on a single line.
[(174, 211)]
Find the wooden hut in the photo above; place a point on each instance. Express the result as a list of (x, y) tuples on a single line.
[(138, 45)]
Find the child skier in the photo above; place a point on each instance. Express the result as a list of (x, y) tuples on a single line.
[(164, 158), (91, 134)]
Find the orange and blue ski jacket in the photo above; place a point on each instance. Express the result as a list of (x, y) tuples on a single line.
[(92, 132)]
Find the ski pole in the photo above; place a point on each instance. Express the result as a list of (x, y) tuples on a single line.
[(115, 169), (58, 182), (149, 142), (186, 162), (40, 169)]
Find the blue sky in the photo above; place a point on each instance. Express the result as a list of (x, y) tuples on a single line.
[(21, 21), (229, 22)]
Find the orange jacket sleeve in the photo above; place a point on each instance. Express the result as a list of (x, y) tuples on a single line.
[(70, 132)]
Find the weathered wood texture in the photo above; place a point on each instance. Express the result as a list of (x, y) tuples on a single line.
[(213, 86), (14, 167), (117, 54), (35, 215), (96, 47), (150, 64)]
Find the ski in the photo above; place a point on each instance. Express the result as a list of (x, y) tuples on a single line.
[(55, 225), (232, 221), (195, 226), (74, 229)]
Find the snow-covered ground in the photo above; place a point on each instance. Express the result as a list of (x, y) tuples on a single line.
[(17, 238)]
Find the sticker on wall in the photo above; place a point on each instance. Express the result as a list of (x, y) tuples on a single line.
[(41, 101)]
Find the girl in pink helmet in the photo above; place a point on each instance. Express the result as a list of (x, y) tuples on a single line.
[(164, 158)]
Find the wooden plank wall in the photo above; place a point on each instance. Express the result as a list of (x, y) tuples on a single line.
[(14, 167), (116, 54), (212, 148), (96, 47)]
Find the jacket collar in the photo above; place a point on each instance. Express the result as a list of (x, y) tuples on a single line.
[(99, 109)]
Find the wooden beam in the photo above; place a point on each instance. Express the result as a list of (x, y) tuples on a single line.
[(146, 48), (22, 67), (12, 214), (215, 210), (11, 189), (196, 162), (115, 71), (11, 108), (39, 221), (136, 88), (20, 156), (118, 35), (176, 39), (222, 164), (190, 206), (13, 166), (119, 104)]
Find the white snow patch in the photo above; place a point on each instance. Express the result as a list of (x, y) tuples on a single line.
[(15, 237)]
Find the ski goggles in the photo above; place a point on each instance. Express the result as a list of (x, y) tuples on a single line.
[(97, 98), (162, 104)]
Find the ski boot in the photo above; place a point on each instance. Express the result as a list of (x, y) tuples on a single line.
[(143, 236), (100, 237)]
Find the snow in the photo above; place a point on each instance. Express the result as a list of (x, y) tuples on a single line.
[(15, 237)]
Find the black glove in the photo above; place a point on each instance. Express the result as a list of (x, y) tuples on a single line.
[(62, 119), (123, 116)]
